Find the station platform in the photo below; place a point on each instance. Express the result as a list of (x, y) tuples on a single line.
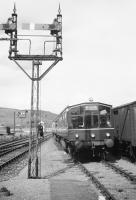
[(61, 179)]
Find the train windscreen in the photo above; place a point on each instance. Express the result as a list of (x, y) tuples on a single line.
[(89, 116), (105, 112)]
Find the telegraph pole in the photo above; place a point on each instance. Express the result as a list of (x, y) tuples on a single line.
[(14, 123), (10, 28)]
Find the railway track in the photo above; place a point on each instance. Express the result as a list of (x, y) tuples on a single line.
[(97, 183), (11, 146), (113, 182), (13, 153), (122, 171), (11, 157)]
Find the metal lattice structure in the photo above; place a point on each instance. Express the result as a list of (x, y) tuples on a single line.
[(34, 160), (34, 163)]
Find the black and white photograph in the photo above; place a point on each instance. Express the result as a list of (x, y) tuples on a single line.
[(68, 100)]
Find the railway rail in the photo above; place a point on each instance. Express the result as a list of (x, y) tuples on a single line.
[(11, 157), (98, 184), (8, 141), (121, 171), (11, 146), (110, 179), (13, 142), (19, 150)]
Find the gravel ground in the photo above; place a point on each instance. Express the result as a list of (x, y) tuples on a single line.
[(117, 185), (13, 169), (61, 179), (126, 165)]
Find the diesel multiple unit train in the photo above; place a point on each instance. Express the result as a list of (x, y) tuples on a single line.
[(85, 126)]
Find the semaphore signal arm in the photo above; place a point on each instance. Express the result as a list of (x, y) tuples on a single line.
[(10, 28)]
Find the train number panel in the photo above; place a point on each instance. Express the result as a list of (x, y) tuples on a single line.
[(85, 126)]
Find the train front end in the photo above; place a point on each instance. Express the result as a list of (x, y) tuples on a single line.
[(90, 128)]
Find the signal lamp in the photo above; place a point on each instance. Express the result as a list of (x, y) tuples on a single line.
[(40, 130)]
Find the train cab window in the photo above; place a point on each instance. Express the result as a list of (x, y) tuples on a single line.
[(75, 111), (77, 122), (91, 121), (104, 110), (95, 121), (105, 117), (103, 121), (88, 121)]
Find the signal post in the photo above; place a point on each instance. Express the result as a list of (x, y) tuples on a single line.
[(10, 28)]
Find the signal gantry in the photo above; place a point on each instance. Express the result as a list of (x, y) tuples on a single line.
[(55, 32)]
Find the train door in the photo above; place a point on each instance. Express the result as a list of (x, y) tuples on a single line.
[(90, 121)]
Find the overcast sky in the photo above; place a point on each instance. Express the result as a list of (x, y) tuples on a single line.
[(99, 54)]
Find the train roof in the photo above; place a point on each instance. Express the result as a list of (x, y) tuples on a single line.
[(88, 103), (125, 105), (82, 104)]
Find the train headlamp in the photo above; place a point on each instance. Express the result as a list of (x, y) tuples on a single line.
[(107, 135), (92, 135), (77, 136)]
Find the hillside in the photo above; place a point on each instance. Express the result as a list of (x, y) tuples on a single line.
[(7, 117)]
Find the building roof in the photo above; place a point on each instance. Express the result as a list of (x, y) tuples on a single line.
[(125, 105)]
